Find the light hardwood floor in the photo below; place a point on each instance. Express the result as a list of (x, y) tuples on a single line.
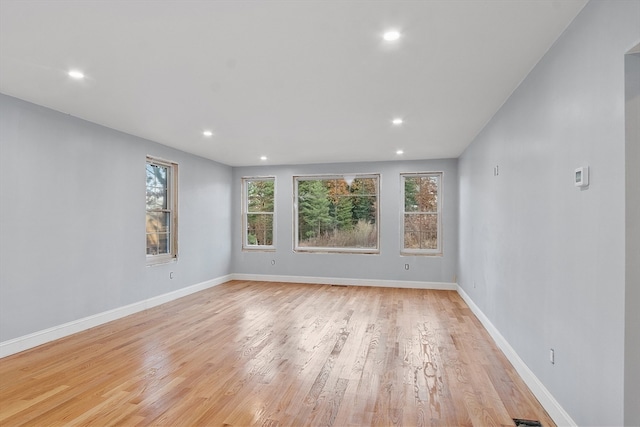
[(274, 354)]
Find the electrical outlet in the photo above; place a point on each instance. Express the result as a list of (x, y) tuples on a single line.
[(273, 262), (406, 266), (552, 356)]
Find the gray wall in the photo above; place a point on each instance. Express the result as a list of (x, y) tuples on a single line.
[(72, 219), (632, 300), (544, 260), (388, 265)]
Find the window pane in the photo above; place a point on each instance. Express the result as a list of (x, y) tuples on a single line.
[(158, 243), (421, 231), (421, 194), (164, 246), (158, 232), (157, 175), (364, 186), (157, 189), (152, 244), (156, 198), (259, 229), (260, 196), (334, 214), (411, 185), (361, 235), (158, 222), (428, 194)]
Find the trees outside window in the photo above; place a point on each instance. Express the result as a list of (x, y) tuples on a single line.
[(161, 210), (337, 213), (258, 213), (422, 213)]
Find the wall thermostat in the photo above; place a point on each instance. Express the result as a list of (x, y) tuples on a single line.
[(582, 177)]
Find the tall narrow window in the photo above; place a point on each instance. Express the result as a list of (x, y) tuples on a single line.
[(162, 211), (422, 214), (336, 213), (258, 211)]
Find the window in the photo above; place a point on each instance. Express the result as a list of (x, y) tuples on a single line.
[(422, 216), (336, 213), (162, 211), (258, 208)]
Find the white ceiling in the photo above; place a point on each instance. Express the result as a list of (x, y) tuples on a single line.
[(297, 81)]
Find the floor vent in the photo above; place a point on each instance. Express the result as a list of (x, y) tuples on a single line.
[(526, 423)]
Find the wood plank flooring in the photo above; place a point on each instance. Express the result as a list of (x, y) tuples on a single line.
[(274, 354)]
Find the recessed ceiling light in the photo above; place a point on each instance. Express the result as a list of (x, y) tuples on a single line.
[(391, 35), (207, 133), (263, 157), (399, 152), (76, 74), (397, 121)]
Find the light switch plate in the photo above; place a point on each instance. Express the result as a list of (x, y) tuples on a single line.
[(581, 177)]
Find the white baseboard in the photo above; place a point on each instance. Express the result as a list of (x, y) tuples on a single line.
[(546, 399), (35, 339), (343, 281)]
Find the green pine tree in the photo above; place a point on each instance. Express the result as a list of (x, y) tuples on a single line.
[(410, 193), (344, 213), (313, 205)]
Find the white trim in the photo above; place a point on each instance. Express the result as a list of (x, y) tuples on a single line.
[(35, 339), (546, 399), (345, 281), (331, 250)]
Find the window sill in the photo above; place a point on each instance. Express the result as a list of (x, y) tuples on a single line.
[(155, 260), (258, 248), (418, 253), (316, 250)]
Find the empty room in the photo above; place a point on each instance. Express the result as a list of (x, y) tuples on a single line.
[(306, 212)]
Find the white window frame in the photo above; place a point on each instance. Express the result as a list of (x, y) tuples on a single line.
[(320, 249), (431, 252), (245, 211), (172, 209)]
